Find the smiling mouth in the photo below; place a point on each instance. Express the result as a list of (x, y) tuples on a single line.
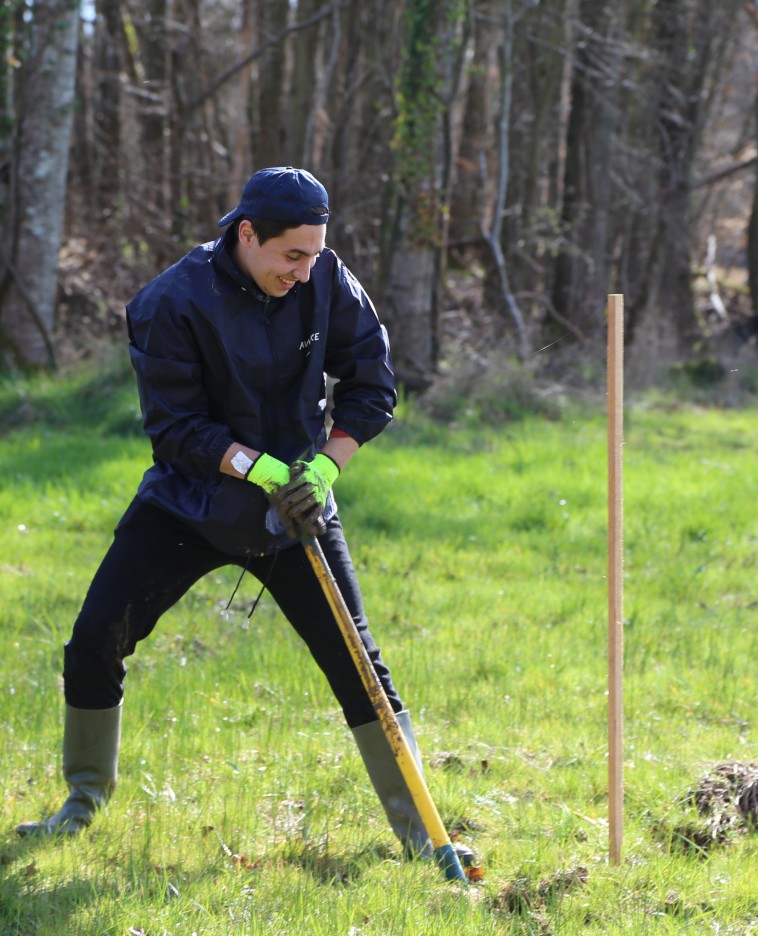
[(287, 282)]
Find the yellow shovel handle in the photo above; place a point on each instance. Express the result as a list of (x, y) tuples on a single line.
[(410, 770)]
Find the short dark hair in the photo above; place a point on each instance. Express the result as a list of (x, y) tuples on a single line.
[(263, 228)]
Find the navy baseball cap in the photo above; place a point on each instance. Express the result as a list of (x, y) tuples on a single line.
[(282, 194)]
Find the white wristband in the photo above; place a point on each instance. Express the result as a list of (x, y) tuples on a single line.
[(241, 463)]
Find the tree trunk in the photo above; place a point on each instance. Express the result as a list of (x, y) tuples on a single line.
[(318, 126), (107, 115), (240, 133), (414, 231), (306, 56), (676, 121), (362, 109), (473, 190), (683, 35), (581, 270), (27, 314), (154, 114), (409, 315), (752, 236), (544, 35), (508, 306), (7, 119), (272, 99)]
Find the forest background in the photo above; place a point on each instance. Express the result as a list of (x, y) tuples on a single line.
[(496, 168)]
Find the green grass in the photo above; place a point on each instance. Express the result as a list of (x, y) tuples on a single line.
[(243, 807)]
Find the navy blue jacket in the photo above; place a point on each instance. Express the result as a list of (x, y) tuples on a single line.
[(217, 361)]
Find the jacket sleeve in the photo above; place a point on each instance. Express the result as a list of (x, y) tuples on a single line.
[(358, 357), (175, 406)]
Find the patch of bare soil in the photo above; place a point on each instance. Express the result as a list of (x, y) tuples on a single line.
[(726, 800), (533, 899)]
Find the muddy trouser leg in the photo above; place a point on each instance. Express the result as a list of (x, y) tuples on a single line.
[(296, 590), (152, 562)]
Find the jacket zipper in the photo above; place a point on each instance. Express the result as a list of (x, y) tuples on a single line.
[(265, 411), (272, 356)]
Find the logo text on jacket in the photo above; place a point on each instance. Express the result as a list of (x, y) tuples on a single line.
[(307, 342)]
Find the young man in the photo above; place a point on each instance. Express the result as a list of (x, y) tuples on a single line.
[(231, 347)]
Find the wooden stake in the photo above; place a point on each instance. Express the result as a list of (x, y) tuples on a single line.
[(615, 576)]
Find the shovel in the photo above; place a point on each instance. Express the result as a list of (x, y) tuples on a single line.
[(444, 853)]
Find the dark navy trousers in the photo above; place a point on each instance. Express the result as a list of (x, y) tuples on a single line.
[(154, 560)]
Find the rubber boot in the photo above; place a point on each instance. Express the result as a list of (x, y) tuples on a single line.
[(390, 784), (91, 741)]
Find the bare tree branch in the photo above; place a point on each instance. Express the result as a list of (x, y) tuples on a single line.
[(230, 72), (492, 237), (725, 173)]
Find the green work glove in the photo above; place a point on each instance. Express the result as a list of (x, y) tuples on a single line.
[(269, 473), (302, 501)]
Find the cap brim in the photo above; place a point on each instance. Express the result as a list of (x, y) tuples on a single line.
[(228, 218)]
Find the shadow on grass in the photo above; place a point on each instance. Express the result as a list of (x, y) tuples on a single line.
[(339, 868), (31, 900)]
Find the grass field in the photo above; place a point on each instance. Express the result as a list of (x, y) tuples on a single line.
[(243, 807)]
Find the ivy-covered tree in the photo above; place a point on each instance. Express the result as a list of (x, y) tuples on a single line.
[(414, 228)]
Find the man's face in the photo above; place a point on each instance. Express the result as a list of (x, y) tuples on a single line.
[(281, 261)]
